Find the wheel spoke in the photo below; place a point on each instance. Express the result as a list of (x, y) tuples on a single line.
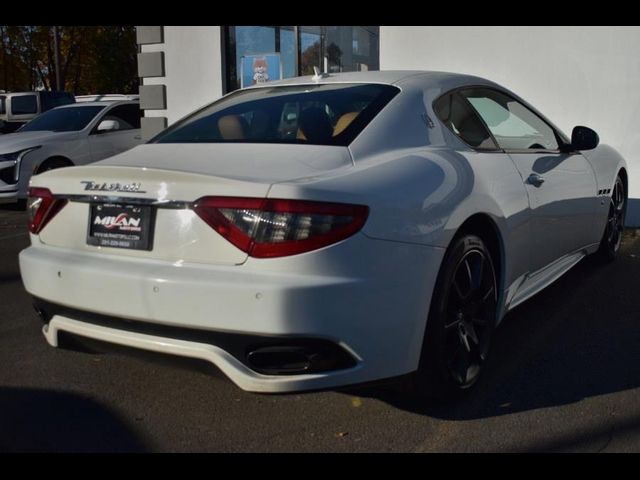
[(471, 334), (464, 340), (615, 222), (466, 264), (451, 324), (618, 196), (460, 365), (485, 297)]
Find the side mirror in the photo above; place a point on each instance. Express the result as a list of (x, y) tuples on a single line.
[(583, 138), (108, 126)]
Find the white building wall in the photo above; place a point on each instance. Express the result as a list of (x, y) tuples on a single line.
[(575, 75), (193, 69)]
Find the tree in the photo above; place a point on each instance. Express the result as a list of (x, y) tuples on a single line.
[(310, 58), (93, 59)]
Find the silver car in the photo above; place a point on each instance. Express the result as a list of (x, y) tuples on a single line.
[(74, 134)]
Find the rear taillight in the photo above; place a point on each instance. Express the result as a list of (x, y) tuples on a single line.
[(267, 228), (42, 207)]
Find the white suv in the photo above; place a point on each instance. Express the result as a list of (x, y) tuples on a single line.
[(74, 134), (16, 109)]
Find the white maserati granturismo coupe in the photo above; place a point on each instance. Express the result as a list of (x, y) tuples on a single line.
[(323, 231)]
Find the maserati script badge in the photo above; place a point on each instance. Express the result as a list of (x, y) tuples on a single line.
[(112, 187)]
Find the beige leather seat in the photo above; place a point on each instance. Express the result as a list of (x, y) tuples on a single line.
[(341, 125), (343, 122)]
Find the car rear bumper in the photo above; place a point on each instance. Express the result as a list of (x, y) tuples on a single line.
[(376, 312), (233, 367)]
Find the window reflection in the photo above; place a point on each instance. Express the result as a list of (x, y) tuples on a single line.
[(332, 49)]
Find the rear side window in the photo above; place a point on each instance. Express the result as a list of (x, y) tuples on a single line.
[(24, 105), (329, 114), (3, 109), (513, 125), (459, 117)]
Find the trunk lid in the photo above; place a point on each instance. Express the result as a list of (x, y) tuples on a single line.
[(170, 178)]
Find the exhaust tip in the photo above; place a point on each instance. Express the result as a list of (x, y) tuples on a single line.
[(311, 356), (279, 360)]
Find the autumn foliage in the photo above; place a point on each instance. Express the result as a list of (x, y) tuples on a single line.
[(93, 59)]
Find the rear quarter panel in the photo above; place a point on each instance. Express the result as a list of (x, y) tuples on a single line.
[(423, 195)]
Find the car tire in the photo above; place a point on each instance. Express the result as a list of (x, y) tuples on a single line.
[(461, 321), (612, 236), (52, 164)]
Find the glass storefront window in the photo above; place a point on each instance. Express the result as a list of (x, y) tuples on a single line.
[(288, 51), (254, 40), (330, 48), (352, 49), (310, 49)]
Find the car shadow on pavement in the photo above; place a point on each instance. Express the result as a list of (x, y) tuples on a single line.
[(49, 421), (578, 338)]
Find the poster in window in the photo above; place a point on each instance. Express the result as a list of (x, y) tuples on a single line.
[(262, 68)]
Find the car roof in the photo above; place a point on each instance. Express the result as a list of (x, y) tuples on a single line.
[(107, 97), (18, 93), (389, 77), (99, 104)]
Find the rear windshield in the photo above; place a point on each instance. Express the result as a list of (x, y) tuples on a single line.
[(309, 114), (68, 119)]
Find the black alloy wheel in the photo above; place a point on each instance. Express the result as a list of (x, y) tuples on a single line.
[(470, 311), (612, 238), (461, 321)]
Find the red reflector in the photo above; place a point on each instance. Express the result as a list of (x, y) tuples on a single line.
[(41, 208), (267, 228)]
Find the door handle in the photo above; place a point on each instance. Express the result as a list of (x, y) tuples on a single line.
[(535, 180), (138, 137)]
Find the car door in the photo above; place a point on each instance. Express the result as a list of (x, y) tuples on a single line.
[(127, 134), (485, 163), (561, 185)]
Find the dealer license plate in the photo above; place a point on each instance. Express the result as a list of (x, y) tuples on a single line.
[(121, 226)]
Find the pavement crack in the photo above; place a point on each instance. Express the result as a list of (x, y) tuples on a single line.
[(607, 443)]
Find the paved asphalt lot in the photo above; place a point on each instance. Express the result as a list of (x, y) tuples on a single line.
[(564, 375)]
